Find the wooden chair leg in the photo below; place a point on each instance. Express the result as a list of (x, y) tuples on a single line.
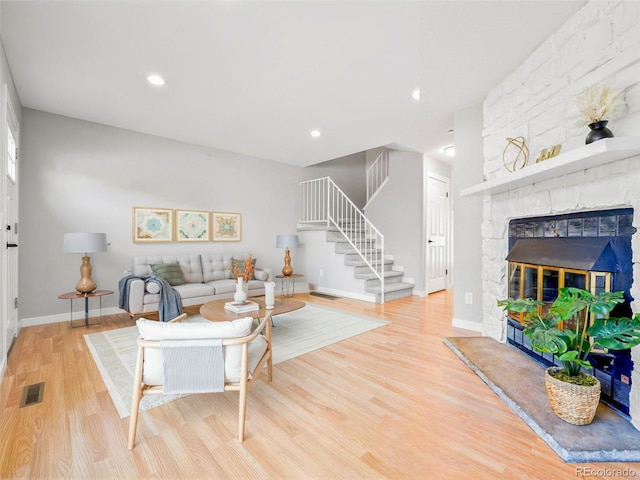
[(242, 412), (135, 400)]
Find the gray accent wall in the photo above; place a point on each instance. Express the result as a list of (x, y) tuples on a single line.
[(467, 219), (79, 176), (398, 212)]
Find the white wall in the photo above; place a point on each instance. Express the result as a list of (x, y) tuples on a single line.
[(467, 219), (81, 176), (398, 212)]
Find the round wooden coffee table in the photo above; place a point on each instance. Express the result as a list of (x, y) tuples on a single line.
[(216, 312)]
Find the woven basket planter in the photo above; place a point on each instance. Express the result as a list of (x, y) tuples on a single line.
[(575, 404)]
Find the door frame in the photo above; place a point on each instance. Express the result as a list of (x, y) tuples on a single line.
[(9, 282), (449, 222)]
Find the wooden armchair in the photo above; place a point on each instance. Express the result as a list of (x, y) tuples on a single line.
[(244, 351)]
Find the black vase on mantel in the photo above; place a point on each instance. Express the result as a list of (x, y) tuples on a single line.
[(598, 131)]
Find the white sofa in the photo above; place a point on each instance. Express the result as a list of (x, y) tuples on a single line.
[(207, 277)]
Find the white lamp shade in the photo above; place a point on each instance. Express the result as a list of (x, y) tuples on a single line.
[(286, 241), (84, 242)]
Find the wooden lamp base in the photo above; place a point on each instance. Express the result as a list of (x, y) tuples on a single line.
[(287, 271), (85, 285)]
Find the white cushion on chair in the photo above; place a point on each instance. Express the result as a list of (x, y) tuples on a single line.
[(153, 330)]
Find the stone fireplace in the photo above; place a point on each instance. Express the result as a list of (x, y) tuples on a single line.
[(534, 102), (612, 185)]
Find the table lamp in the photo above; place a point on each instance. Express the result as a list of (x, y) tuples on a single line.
[(287, 241), (85, 243)]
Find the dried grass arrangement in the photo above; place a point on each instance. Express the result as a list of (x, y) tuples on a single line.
[(247, 270), (598, 103)]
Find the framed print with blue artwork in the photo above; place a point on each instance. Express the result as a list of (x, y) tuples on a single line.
[(152, 224), (192, 226)]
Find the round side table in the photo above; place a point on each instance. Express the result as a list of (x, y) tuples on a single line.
[(76, 296), (288, 285)]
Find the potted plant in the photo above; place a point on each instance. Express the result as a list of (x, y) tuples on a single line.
[(574, 394), (596, 105)]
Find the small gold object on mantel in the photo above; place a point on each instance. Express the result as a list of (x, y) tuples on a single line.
[(521, 157), (547, 154)]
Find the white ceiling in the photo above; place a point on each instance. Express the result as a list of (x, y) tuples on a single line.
[(256, 77)]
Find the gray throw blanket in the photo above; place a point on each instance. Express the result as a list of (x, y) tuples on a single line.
[(170, 304)]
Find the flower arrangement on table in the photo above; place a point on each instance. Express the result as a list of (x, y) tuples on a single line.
[(244, 269)]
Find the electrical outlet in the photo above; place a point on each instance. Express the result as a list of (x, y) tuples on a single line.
[(321, 274), (468, 298)]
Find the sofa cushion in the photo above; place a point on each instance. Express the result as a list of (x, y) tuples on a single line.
[(152, 287), (213, 267), (171, 272), (151, 298), (192, 290), (190, 265), (152, 330), (254, 285), (223, 286)]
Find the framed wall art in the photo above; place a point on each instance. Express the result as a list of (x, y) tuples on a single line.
[(152, 224), (192, 226), (227, 227)]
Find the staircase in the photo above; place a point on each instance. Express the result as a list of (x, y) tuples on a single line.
[(355, 237), (394, 285)]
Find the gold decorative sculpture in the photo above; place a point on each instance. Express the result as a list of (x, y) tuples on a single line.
[(521, 157), (547, 154)]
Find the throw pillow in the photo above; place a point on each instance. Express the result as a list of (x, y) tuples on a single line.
[(152, 288), (261, 275), (171, 272)]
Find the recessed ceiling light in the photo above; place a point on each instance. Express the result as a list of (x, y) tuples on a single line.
[(315, 133), (155, 79), (449, 151), (416, 94)]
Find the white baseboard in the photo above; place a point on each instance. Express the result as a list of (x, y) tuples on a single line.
[(340, 293), (65, 317), (467, 325)]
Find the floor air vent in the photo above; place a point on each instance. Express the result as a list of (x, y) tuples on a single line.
[(32, 394)]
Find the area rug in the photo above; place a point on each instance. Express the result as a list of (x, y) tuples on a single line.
[(519, 381), (294, 334)]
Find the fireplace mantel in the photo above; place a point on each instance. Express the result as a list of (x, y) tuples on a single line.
[(592, 155)]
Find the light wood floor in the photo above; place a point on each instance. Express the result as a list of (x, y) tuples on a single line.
[(393, 403)]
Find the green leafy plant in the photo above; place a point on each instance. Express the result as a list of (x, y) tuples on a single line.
[(573, 345)]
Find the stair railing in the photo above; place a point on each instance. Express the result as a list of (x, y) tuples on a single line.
[(377, 175), (323, 202)]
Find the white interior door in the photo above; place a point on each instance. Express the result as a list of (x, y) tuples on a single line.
[(9, 223), (437, 248)]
